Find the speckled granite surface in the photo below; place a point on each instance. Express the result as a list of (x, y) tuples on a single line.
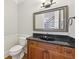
[(72, 45)]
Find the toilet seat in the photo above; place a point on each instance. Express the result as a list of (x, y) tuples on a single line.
[(16, 48)]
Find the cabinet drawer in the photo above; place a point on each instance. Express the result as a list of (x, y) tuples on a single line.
[(51, 47), (54, 48), (33, 43)]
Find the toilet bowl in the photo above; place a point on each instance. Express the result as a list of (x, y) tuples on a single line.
[(16, 50)]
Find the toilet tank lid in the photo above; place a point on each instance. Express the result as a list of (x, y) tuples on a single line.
[(16, 48)]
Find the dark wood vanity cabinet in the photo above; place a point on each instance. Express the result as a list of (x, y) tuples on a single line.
[(41, 50)]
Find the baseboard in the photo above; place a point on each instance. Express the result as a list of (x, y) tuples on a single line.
[(6, 54)]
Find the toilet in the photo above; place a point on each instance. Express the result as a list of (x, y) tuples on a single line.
[(17, 50)]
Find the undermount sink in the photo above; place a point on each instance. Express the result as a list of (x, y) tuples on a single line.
[(47, 38)]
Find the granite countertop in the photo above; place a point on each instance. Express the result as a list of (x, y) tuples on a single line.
[(72, 45)]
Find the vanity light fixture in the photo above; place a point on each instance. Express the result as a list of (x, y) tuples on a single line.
[(47, 4)]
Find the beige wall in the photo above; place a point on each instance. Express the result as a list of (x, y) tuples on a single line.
[(10, 25), (27, 8)]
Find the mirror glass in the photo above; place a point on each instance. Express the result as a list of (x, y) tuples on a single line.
[(51, 20)]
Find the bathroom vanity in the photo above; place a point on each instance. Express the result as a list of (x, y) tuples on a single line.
[(47, 46), (44, 46)]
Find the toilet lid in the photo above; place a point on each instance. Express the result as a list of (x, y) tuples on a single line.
[(16, 48)]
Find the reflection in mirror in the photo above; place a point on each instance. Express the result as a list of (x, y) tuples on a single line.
[(48, 20), (61, 19), (51, 20)]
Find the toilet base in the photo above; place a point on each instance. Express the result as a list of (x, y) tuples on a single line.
[(16, 56)]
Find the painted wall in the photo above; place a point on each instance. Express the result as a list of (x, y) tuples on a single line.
[(10, 25), (27, 8)]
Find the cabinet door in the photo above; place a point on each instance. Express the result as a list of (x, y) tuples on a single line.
[(36, 52), (55, 55), (54, 51), (69, 53)]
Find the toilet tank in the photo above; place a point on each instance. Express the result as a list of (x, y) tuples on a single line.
[(22, 41)]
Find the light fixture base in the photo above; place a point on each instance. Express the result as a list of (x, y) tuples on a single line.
[(47, 5)]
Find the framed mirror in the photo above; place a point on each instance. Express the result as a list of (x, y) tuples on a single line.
[(55, 20)]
